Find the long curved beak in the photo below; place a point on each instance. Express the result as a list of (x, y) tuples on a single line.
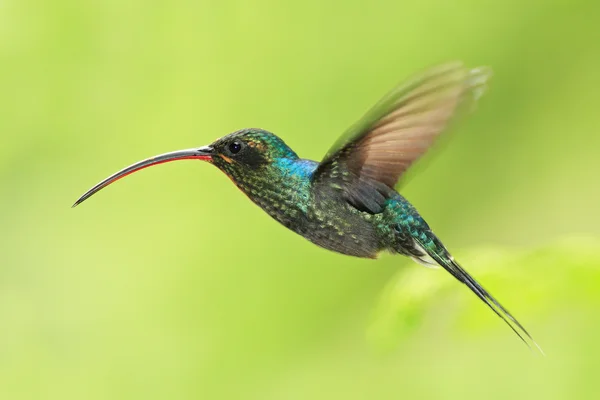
[(202, 153)]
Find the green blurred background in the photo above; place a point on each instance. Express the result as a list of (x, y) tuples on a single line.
[(171, 284)]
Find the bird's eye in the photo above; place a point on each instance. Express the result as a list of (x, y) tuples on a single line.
[(235, 147)]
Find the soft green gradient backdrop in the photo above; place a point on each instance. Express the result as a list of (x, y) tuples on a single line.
[(171, 284)]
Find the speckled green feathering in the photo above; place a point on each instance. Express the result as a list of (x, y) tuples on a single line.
[(347, 203)]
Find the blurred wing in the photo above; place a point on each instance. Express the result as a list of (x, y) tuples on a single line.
[(371, 156)]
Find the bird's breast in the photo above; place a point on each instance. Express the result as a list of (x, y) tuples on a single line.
[(323, 218)]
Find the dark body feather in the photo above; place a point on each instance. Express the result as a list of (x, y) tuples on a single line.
[(285, 188), (347, 203)]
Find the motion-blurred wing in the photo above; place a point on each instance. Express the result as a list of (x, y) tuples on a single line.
[(371, 156)]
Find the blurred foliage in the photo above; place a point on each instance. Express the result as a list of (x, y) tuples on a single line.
[(171, 284), (402, 304)]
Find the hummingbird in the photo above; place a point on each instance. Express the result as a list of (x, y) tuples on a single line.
[(348, 203)]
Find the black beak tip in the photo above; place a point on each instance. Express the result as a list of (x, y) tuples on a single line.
[(79, 201)]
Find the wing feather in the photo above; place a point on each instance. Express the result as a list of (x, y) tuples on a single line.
[(398, 130)]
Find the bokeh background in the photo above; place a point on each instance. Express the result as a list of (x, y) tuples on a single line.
[(171, 284)]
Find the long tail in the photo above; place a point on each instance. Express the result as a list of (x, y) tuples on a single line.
[(436, 250)]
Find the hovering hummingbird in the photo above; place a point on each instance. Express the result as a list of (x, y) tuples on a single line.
[(347, 203)]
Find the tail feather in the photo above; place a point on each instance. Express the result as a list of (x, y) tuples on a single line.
[(443, 258)]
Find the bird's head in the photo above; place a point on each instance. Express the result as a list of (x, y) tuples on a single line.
[(240, 154), (248, 150)]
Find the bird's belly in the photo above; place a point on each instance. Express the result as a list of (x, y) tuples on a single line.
[(346, 231)]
